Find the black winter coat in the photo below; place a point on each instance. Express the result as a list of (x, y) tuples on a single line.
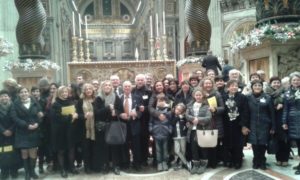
[(277, 98), (179, 121), (291, 112), (217, 116), (262, 118), (63, 129), (12, 159), (180, 98), (233, 127), (25, 138), (211, 62), (6, 123)]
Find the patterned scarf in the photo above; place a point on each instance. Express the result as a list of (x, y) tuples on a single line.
[(89, 122)]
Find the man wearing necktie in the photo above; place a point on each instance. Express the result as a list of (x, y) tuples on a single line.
[(131, 115)]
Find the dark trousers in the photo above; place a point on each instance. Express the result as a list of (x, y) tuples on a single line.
[(145, 138), (233, 154), (197, 152), (134, 143), (283, 152), (88, 154), (116, 154), (79, 152), (259, 152), (44, 154), (298, 145), (162, 154), (144, 147), (215, 155)]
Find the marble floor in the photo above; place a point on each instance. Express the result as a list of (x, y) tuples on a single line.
[(246, 173)]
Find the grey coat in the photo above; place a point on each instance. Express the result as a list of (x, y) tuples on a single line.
[(204, 116)]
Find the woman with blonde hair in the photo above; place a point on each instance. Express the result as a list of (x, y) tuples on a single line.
[(85, 109), (108, 106), (216, 107), (64, 116)]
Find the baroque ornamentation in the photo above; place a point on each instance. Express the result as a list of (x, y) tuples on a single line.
[(29, 29), (277, 11), (194, 59), (198, 23), (29, 65), (281, 33), (6, 47), (288, 62)]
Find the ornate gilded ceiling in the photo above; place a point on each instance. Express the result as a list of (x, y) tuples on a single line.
[(131, 5)]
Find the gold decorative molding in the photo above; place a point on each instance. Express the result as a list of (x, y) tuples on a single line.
[(126, 70), (110, 31)]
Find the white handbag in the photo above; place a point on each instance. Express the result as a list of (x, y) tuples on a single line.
[(207, 138)]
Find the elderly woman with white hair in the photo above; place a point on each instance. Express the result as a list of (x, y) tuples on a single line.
[(235, 74), (291, 111)]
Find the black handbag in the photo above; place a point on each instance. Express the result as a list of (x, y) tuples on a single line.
[(8, 156), (100, 126), (116, 133), (272, 145)]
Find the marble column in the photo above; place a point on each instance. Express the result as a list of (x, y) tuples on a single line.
[(215, 18), (118, 51), (8, 32), (181, 28), (99, 50)]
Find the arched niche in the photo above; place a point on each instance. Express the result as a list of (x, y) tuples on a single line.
[(84, 5), (233, 29)]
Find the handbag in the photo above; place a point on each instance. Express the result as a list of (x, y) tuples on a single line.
[(207, 138), (116, 133), (272, 145), (100, 126), (8, 156)]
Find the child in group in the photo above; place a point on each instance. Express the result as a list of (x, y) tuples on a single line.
[(161, 131), (179, 135), (199, 116)]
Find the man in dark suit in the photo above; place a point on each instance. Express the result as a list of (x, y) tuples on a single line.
[(211, 62), (116, 83), (226, 69), (143, 93), (131, 113)]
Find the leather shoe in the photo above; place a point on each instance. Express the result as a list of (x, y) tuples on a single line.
[(74, 171), (64, 174), (228, 164), (255, 166), (117, 171), (263, 167), (296, 167), (237, 166)]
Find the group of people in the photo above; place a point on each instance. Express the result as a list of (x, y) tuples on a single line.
[(62, 125)]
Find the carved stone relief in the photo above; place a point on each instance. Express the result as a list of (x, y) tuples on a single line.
[(288, 62), (125, 69)]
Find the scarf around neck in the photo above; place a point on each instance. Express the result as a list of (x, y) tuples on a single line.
[(89, 122)]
